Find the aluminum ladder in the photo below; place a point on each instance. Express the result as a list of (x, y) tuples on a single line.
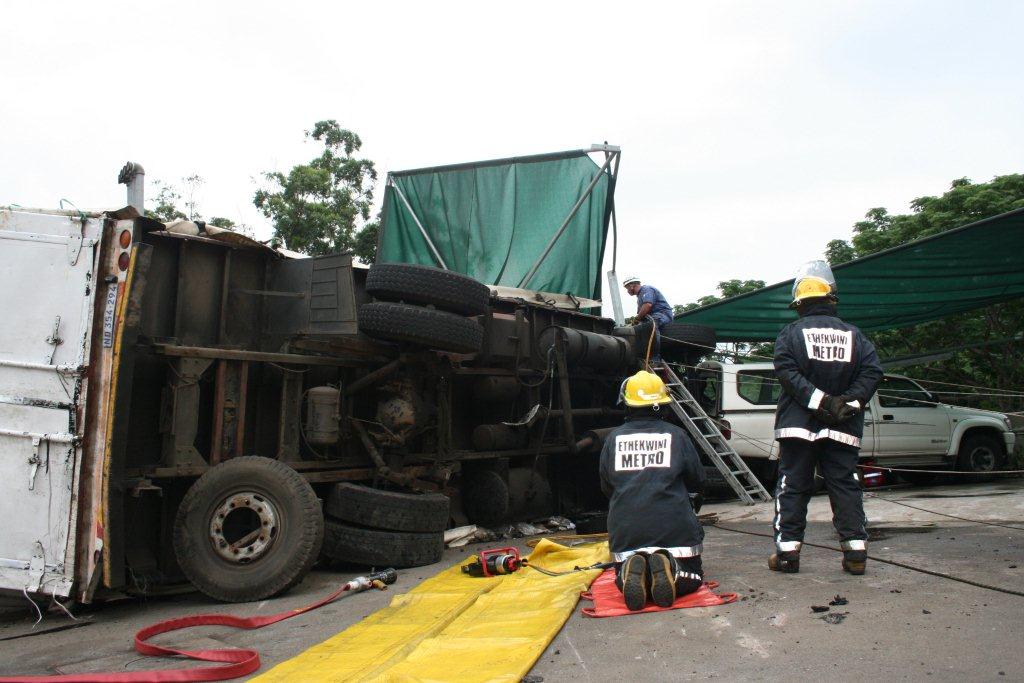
[(709, 440)]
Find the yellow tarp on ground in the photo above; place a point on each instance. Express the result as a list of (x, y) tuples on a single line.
[(453, 627)]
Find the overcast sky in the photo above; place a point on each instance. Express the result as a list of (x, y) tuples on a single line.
[(752, 133)]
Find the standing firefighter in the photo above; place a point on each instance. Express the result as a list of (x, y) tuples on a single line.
[(828, 371), (653, 312), (649, 469)]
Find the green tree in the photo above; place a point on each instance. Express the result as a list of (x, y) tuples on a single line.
[(319, 207), (728, 289), (221, 222), (839, 251), (998, 364), (165, 201)]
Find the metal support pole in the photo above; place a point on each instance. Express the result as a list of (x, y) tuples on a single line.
[(613, 292), (433, 249), (568, 219)]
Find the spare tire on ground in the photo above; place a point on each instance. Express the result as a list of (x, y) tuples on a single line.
[(427, 285), (389, 510), (376, 548), (248, 529), (428, 327)]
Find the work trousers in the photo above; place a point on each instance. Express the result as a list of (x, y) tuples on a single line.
[(689, 575), (838, 465), (652, 325)]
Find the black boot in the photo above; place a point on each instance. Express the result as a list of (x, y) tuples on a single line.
[(787, 562), (662, 568), (633, 582), (855, 561)]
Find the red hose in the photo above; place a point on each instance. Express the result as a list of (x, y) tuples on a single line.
[(239, 661)]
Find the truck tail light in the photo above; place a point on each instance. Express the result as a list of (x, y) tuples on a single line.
[(725, 427), (125, 239), (122, 260)]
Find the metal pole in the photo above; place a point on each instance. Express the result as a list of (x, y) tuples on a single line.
[(565, 223), (613, 291), (419, 225)]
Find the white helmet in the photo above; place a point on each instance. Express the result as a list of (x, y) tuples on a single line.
[(630, 280)]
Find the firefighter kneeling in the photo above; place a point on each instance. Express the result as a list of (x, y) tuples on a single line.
[(649, 469)]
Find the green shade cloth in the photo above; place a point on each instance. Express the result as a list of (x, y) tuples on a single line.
[(492, 220), (958, 270)]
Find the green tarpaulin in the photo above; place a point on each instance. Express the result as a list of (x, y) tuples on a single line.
[(493, 219), (958, 270)]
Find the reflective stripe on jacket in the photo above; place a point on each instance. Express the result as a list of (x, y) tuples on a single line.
[(816, 355)]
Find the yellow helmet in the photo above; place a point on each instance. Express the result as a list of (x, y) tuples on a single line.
[(644, 389), (811, 287)]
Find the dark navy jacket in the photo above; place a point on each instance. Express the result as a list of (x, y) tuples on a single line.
[(648, 469), (816, 355)]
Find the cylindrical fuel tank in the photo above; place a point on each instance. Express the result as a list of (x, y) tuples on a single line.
[(498, 437), (322, 416), (590, 349)]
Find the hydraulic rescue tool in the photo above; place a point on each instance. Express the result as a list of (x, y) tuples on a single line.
[(495, 561)]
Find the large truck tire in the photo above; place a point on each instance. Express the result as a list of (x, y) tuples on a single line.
[(428, 327), (699, 339), (389, 510), (485, 497), (376, 548), (427, 285), (248, 529)]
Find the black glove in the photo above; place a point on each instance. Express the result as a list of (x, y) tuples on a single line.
[(696, 501), (835, 410)]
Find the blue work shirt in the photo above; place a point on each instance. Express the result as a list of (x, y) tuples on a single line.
[(661, 311)]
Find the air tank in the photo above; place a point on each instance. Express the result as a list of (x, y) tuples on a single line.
[(322, 416)]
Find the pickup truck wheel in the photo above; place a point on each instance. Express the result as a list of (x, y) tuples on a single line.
[(376, 548), (428, 327), (248, 529), (980, 453), (391, 510), (427, 285)]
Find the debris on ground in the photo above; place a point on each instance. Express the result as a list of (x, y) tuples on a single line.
[(895, 590), (924, 611), (839, 600), (464, 535), (533, 678), (709, 519), (835, 617), (817, 609)]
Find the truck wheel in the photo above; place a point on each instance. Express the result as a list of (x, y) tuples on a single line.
[(980, 453), (485, 497), (376, 548), (248, 529), (390, 510), (414, 284), (686, 343), (422, 326)]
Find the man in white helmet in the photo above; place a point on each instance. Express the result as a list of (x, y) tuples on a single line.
[(653, 311), (828, 371)]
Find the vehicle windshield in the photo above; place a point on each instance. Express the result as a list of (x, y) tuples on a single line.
[(900, 392)]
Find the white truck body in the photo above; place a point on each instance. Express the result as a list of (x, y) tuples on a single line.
[(904, 426), (54, 362)]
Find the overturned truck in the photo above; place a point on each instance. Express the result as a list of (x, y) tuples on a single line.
[(182, 402)]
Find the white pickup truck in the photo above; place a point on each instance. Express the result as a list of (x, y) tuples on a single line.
[(904, 425)]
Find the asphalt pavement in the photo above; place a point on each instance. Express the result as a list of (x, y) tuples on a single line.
[(897, 624)]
